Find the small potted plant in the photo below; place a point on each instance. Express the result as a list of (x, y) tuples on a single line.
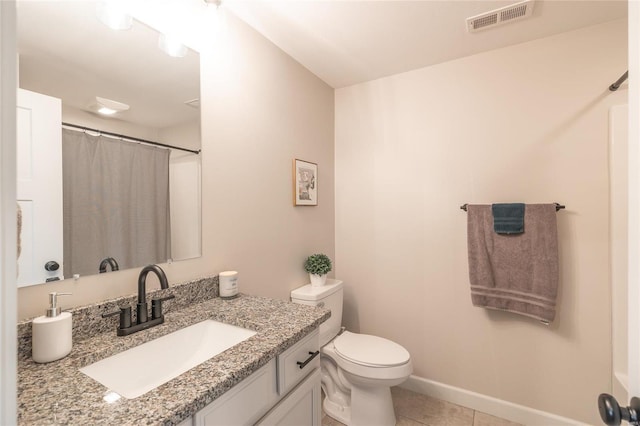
[(318, 266)]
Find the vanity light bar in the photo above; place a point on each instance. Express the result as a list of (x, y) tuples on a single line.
[(170, 45), (113, 15)]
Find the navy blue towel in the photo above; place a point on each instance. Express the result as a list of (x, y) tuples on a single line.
[(508, 218)]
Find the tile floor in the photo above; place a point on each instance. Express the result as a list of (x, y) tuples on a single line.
[(414, 409)]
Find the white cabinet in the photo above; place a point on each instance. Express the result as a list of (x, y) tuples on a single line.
[(186, 422), (300, 407), (244, 403), (286, 391), (295, 363)]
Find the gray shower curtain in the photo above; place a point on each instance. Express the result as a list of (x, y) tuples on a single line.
[(115, 203)]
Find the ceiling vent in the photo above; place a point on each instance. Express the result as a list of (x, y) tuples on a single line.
[(496, 17), (193, 103)]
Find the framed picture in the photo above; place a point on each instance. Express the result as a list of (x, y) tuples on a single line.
[(305, 183)]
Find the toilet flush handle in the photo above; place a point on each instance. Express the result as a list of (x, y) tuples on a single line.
[(312, 355)]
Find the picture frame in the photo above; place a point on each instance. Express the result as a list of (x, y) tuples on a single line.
[(305, 183)]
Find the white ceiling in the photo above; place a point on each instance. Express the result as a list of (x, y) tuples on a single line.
[(66, 52), (345, 42)]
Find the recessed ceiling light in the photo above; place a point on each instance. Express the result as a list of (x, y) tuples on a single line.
[(193, 103), (109, 107), (113, 15), (106, 111)]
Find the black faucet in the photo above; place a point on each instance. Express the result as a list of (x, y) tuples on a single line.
[(143, 322), (108, 261), (141, 308)]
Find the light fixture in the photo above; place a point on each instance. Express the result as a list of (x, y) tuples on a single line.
[(216, 18), (172, 46), (113, 14), (109, 107)]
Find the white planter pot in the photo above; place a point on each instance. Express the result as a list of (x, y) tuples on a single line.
[(318, 280)]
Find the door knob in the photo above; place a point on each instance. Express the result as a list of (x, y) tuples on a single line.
[(612, 414), (51, 265)]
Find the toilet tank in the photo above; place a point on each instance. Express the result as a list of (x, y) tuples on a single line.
[(327, 296)]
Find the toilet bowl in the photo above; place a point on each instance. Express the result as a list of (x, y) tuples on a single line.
[(357, 369), (368, 366)]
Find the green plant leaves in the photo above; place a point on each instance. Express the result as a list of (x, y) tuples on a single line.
[(318, 264)]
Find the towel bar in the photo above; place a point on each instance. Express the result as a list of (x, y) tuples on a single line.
[(558, 206)]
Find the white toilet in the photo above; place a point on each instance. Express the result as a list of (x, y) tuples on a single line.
[(357, 369)]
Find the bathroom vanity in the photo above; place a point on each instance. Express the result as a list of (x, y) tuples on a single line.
[(287, 393), (270, 378)]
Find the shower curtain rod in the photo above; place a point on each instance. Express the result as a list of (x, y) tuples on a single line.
[(558, 206), (125, 137), (617, 84)]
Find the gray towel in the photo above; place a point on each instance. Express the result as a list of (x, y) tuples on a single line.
[(508, 218), (515, 273)]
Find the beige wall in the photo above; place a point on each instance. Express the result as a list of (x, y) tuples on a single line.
[(525, 123), (261, 109), (186, 135)]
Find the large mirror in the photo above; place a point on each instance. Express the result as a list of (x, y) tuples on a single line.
[(99, 192)]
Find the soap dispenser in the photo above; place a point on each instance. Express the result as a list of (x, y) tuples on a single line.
[(51, 338)]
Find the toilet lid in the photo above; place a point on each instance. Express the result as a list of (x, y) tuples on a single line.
[(369, 350)]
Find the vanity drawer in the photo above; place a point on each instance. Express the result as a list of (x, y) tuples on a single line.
[(298, 361)]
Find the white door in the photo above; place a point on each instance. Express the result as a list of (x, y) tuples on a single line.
[(39, 187)]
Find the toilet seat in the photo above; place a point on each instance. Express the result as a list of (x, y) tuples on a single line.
[(370, 351)]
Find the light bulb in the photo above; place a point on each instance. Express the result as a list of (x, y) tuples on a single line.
[(172, 46), (113, 14), (106, 111)]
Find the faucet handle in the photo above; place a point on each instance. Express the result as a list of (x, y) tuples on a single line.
[(156, 306), (125, 316)]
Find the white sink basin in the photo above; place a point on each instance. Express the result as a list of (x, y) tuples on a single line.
[(138, 370)]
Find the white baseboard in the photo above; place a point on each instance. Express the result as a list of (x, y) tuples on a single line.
[(486, 404)]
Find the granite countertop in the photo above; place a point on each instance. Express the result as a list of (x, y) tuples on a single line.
[(58, 393)]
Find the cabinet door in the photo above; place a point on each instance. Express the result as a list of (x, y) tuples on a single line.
[(244, 403), (186, 422), (301, 407)]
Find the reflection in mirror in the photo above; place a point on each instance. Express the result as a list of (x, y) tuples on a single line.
[(115, 196)]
